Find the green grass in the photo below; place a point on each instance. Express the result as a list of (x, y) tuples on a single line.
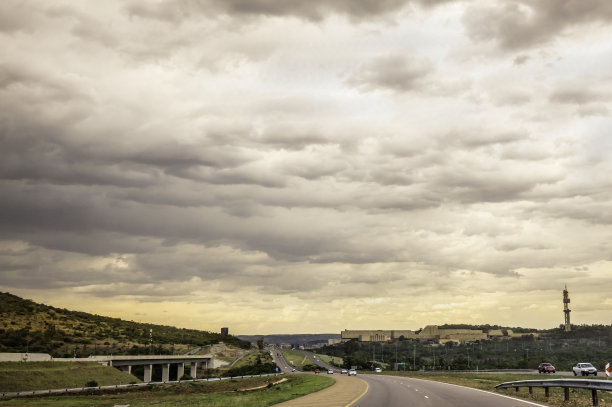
[(488, 381), (20, 376), (212, 394), (332, 360), (251, 359), (298, 358)]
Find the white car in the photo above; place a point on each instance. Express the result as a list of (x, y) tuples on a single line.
[(584, 369), (343, 371), (352, 372), (378, 370), (330, 371)]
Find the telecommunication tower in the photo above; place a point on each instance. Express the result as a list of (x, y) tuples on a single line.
[(566, 309)]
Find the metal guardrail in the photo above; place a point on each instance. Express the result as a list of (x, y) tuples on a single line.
[(566, 384), (122, 386)]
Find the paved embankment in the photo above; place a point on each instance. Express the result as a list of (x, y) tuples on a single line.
[(343, 393)]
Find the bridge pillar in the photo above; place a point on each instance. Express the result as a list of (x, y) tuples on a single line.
[(166, 372), (194, 370), (180, 371), (148, 372), (127, 368)]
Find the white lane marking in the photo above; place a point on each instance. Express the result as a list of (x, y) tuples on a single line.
[(484, 391)]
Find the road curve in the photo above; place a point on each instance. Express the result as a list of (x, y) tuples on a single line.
[(344, 393), (280, 361), (396, 391), (321, 363)]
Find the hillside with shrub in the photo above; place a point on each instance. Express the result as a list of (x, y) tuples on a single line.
[(29, 326), (584, 343)]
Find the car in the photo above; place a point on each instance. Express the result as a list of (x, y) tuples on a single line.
[(293, 369), (330, 371), (378, 370), (584, 369), (546, 368), (343, 371), (317, 371), (352, 372)]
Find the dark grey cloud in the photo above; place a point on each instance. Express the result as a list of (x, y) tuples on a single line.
[(397, 73), (177, 10), (579, 94), (526, 23)]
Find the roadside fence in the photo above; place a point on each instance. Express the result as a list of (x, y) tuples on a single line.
[(566, 384), (121, 386)]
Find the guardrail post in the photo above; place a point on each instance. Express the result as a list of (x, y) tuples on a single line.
[(595, 401), (566, 393), (516, 388), (546, 392), (530, 390)]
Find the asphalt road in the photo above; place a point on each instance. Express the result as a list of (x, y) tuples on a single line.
[(320, 363), (280, 361), (393, 391)]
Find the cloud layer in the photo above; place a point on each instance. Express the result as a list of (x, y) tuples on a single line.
[(278, 158)]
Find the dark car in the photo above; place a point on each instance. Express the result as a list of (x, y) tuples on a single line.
[(546, 368), (317, 371)]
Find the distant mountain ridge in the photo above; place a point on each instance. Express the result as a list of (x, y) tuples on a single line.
[(32, 327), (291, 339)]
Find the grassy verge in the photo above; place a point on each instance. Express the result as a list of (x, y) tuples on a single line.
[(488, 381), (332, 360), (251, 359), (20, 376), (234, 393), (296, 358)]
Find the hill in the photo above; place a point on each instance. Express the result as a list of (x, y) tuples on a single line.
[(29, 326), (291, 339), (53, 375), (588, 343)]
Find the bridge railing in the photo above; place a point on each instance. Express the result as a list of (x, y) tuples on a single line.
[(566, 384), (122, 386)]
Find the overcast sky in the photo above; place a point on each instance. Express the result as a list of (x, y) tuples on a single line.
[(308, 166)]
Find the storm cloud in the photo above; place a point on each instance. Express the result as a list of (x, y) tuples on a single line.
[(376, 155)]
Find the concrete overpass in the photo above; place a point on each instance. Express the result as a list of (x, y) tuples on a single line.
[(125, 363)]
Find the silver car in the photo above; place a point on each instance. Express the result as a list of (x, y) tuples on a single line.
[(584, 369)]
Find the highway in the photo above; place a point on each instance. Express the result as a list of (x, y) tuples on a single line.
[(280, 361), (320, 363), (397, 391), (394, 391)]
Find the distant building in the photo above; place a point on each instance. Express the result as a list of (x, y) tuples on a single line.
[(429, 333), (376, 336), (225, 331), (432, 332)]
